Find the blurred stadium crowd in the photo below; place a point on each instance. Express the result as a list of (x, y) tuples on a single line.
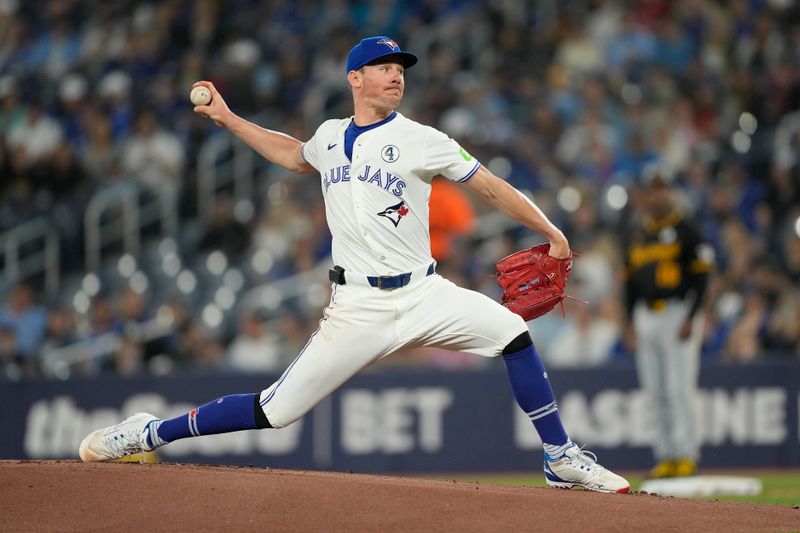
[(570, 101)]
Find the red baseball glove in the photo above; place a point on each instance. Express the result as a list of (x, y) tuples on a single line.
[(533, 282)]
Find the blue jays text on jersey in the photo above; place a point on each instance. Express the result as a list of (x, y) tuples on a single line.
[(378, 177)]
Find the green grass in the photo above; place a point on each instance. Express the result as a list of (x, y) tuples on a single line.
[(779, 488)]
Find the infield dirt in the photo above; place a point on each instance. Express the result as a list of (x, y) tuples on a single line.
[(72, 496)]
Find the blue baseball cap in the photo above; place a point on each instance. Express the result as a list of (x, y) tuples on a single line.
[(372, 48)]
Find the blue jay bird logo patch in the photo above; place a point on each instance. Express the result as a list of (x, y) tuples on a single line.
[(395, 213), (388, 42)]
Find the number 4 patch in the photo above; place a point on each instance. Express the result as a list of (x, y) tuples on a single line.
[(390, 153)]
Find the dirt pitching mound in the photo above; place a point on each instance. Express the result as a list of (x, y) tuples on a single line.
[(72, 496)]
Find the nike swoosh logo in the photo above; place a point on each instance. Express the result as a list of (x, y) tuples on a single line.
[(331, 146)]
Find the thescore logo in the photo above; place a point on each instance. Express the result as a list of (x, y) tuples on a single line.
[(55, 428)]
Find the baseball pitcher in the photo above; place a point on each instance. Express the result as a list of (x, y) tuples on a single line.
[(375, 171)]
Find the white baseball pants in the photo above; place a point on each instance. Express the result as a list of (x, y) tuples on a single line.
[(668, 369), (364, 324)]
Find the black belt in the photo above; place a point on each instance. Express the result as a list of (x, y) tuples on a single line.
[(659, 304), (337, 275)]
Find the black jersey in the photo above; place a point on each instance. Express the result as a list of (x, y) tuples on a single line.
[(664, 259)]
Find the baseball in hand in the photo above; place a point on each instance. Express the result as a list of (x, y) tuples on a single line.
[(200, 95)]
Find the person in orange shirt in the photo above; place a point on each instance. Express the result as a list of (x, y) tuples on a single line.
[(451, 216)]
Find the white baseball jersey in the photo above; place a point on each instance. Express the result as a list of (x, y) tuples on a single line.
[(377, 205)]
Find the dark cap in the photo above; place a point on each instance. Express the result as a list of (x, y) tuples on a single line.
[(657, 175), (372, 48)]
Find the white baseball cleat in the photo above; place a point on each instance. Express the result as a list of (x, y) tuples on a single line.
[(129, 437), (579, 468)]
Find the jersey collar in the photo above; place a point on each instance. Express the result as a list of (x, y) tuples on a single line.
[(362, 129)]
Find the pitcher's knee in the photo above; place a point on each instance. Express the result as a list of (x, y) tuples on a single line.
[(280, 416), (520, 342), (262, 422), (283, 422), (516, 323)]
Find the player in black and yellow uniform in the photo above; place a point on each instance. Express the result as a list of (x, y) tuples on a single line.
[(667, 266)]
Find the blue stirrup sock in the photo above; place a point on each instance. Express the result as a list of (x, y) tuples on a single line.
[(535, 395), (235, 412)]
